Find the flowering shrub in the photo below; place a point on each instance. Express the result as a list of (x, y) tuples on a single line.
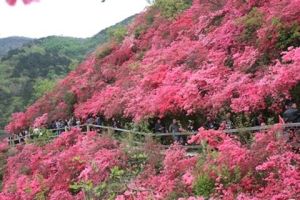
[(18, 122), (215, 54), (195, 63), (80, 166), (48, 171), (228, 169), (40, 121)]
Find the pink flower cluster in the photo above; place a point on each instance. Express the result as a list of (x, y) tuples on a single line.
[(268, 169), (51, 169)]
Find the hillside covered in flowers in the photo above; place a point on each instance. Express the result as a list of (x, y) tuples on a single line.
[(239, 55), (178, 58)]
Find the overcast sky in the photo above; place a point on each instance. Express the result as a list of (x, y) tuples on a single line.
[(78, 18)]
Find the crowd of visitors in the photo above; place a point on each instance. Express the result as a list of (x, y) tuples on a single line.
[(175, 128)]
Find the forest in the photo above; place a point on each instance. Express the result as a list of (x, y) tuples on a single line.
[(31, 70)]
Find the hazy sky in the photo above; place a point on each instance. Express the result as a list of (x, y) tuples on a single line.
[(78, 18)]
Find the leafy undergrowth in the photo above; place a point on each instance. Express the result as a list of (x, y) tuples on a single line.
[(77, 166)]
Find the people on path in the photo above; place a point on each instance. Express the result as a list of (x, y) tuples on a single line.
[(291, 114), (175, 129), (227, 122), (158, 127), (211, 124)]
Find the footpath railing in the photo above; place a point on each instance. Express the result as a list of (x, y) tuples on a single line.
[(13, 140)]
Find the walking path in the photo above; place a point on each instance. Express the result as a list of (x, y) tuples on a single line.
[(89, 127)]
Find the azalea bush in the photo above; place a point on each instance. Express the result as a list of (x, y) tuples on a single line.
[(230, 170), (214, 55), (224, 169), (90, 166), (38, 172)]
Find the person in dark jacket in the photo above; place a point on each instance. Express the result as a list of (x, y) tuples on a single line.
[(258, 121), (228, 121), (191, 127), (115, 123), (90, 120), (174, 129), (99, 121), (158, 127), (291, 114), (210, 124)]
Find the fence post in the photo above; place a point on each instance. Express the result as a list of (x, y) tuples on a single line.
[(10, 141), (88, 129)]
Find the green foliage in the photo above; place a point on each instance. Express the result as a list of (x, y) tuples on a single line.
[(229, 177), (43, 86), (3, 161), (171, 8), (43, 137), (204, 185), (2, 168), (70, 100), (139, 31), (86, 186), (179, 192), (116, 173), (288, 36), (251, 22), (104, 51), (137, 161), (105, 190), (41, 195), (142, 126), (242, 121), (149, 18), (118, 33), (117, 181)]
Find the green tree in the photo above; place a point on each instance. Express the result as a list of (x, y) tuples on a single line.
[(42, 86), (171, 8)]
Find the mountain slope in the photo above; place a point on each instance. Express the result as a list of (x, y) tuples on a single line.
[(206, 60), (9, 43), (27, 72)]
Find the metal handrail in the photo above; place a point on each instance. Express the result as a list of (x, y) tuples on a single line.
[(260, 128), (186, 133)]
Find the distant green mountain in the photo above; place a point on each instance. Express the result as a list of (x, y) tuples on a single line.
[(26, 73), (9, 43)]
